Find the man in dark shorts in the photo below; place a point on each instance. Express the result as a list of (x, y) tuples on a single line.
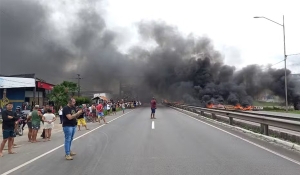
[(114, 108), (29, 124), (8, 127), (153, 108), (94, 113)]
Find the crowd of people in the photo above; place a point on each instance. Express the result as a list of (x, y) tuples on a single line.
[(70, 116)]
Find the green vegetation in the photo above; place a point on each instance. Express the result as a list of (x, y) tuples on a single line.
[(261, 103), (280, 110), (62, 92), (274, 107), (82, 100)]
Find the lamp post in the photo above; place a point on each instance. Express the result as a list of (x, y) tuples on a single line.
[(285, 56)]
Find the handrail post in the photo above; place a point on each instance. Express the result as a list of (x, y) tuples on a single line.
[(213, 116), (264, 129), (230, 120)]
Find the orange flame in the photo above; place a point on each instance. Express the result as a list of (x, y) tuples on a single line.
[(238, 107), (249, 108), (209, 105)]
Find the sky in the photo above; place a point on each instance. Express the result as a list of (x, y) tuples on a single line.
[(241, 38)]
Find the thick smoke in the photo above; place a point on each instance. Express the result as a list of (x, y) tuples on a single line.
[(190, 69), (32, 43), (176, 67)]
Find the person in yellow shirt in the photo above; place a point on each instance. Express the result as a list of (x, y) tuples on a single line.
[(81, 120)]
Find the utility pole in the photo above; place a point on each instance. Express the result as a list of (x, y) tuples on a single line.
[(285, 57), (78, 83)]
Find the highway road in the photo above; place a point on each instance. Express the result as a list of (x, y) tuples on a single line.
[(172, 144)]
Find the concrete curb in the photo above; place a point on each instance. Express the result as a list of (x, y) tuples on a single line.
[(268, 138)]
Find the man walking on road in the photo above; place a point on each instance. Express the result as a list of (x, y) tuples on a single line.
[(69, 126), (8, 126), (100, 113), (153, 108)]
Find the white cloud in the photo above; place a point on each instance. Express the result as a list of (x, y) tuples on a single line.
[(230, 24)]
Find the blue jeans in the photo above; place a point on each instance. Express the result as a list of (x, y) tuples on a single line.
[(69, 134)]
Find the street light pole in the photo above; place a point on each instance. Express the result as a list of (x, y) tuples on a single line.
[(285, 57), (285, 76)]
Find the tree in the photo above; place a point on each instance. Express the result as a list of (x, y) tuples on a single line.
[(82, 100), (60, 93)]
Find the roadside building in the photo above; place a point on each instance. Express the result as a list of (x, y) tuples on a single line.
[(24, 90)]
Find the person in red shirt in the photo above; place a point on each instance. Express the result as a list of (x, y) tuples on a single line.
[(153, 108), (100, 113)]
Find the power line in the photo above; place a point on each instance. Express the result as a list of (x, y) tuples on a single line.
[(273, 65)]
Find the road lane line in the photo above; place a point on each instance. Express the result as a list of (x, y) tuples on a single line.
[(54, 149), (248, 141), (153, 127)]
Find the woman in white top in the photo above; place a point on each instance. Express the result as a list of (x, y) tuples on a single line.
[(108, 108), (48, 119)]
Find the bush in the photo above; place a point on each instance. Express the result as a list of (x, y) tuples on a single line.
[(82, 100)]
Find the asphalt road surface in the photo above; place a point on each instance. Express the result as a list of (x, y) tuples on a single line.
[(172, 144)]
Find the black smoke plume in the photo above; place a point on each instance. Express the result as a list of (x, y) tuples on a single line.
[(32, 43), (180, 67), (176, 67)]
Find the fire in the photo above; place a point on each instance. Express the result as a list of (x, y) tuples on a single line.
[(238, 107), (249, 108), (209, 105)]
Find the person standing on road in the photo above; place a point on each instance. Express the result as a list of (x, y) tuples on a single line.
[(153, 108), (60, 114), (108, 108), (123, 107), (29, 124), (44, 111), (8, 126), (35, 117), (48, 119), (114, 108), (81, 119), (94, 113), (100, 113), (69, 126)]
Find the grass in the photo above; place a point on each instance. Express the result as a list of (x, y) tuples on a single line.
[(261, 103), (265, 104), (291, 112)]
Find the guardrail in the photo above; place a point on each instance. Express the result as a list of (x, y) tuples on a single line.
[(256, 113), (265, 120)]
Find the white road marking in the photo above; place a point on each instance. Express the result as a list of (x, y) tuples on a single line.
[(54, 149), (248, 141), (153, 126)]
